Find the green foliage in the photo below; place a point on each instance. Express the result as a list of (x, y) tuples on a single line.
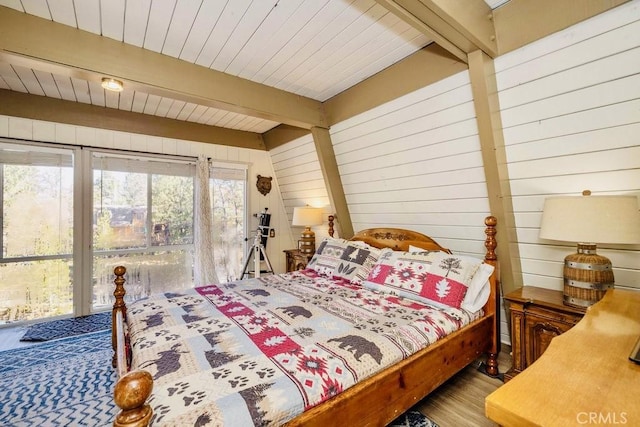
[(38, 210), (38, 221), (172, 202)]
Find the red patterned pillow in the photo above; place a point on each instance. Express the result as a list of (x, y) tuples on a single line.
[(435, 278)]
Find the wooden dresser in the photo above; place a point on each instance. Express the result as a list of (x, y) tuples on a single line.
[(537, 316), (296, 260), (584, 377)]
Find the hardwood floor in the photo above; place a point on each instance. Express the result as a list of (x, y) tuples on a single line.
[(459, 402)]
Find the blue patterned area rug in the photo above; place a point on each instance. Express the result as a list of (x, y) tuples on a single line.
[(68, 327), (412, 418), (69, 382), (66, 382)]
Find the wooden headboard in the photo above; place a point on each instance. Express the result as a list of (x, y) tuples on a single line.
[(397, 239)]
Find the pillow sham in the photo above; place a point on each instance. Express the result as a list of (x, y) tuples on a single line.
[(416, 249), (356, 262), (479, 289), (327, 255), (435, 278)]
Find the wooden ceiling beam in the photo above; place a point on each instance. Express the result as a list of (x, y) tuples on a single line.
[(459, 26), (422, 68), (45, 45), (520, 22), (410, 18), (333, 181), (487, 105), (473, 20), (282, 134), (36, 107)]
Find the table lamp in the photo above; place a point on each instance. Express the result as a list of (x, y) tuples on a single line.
[(587, 220), (307, 217)]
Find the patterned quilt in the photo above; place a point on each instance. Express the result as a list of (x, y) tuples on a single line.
[(261, 351)]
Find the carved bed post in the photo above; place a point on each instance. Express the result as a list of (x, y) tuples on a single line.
[(118, 306), (331, 231), (133, 388), (130, 394), (490, 244)]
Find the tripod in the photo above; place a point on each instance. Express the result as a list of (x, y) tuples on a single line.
[(258, 252)]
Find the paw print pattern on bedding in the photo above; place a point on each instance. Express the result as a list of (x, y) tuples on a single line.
[(239, 381), (159, 412), (248, 364), (145, 342), (266, 373), (221, 373), (179, 388), (195, 397)]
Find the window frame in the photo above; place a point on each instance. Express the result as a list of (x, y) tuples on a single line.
[(151, 166), (216, 166), (82, 255)]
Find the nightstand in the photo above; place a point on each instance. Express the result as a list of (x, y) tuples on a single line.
[(584, 372), (296, 260), (537, 316)]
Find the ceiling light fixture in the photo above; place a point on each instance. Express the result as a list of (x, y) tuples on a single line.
[(112, 84)]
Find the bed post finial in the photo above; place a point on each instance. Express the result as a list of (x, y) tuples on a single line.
[(130, 394), (490, 242), (118, 305), (331, 230)]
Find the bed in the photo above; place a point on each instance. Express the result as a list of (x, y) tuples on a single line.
[(373, 325)]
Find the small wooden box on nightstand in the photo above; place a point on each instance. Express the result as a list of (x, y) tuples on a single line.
[(537, 315), (296, 260)]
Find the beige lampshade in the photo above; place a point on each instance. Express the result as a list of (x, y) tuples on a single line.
[(591, 219), (306, 216), (587, 220)]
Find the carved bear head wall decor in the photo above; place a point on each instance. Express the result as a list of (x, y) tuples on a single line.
[(264, 184)]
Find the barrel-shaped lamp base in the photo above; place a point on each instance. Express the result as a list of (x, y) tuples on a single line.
[(307, 242), (587, 276)]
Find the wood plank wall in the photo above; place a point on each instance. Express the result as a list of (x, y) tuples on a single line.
[(571, 118), (571, 114), (300, 179), (415, 162), (258, 161)]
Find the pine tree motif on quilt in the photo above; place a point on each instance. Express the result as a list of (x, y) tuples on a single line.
[(434, 278)]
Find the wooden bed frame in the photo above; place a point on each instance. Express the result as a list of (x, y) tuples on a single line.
[(375, 401)]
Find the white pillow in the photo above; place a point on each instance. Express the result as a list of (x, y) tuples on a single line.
[(479, 289)]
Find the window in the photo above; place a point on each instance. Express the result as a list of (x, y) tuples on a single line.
[(37, 232), (228, 194), (136, 211), (142, 219)]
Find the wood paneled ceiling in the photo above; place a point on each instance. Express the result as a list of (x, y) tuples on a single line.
[(245, 65), (311, 48)]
